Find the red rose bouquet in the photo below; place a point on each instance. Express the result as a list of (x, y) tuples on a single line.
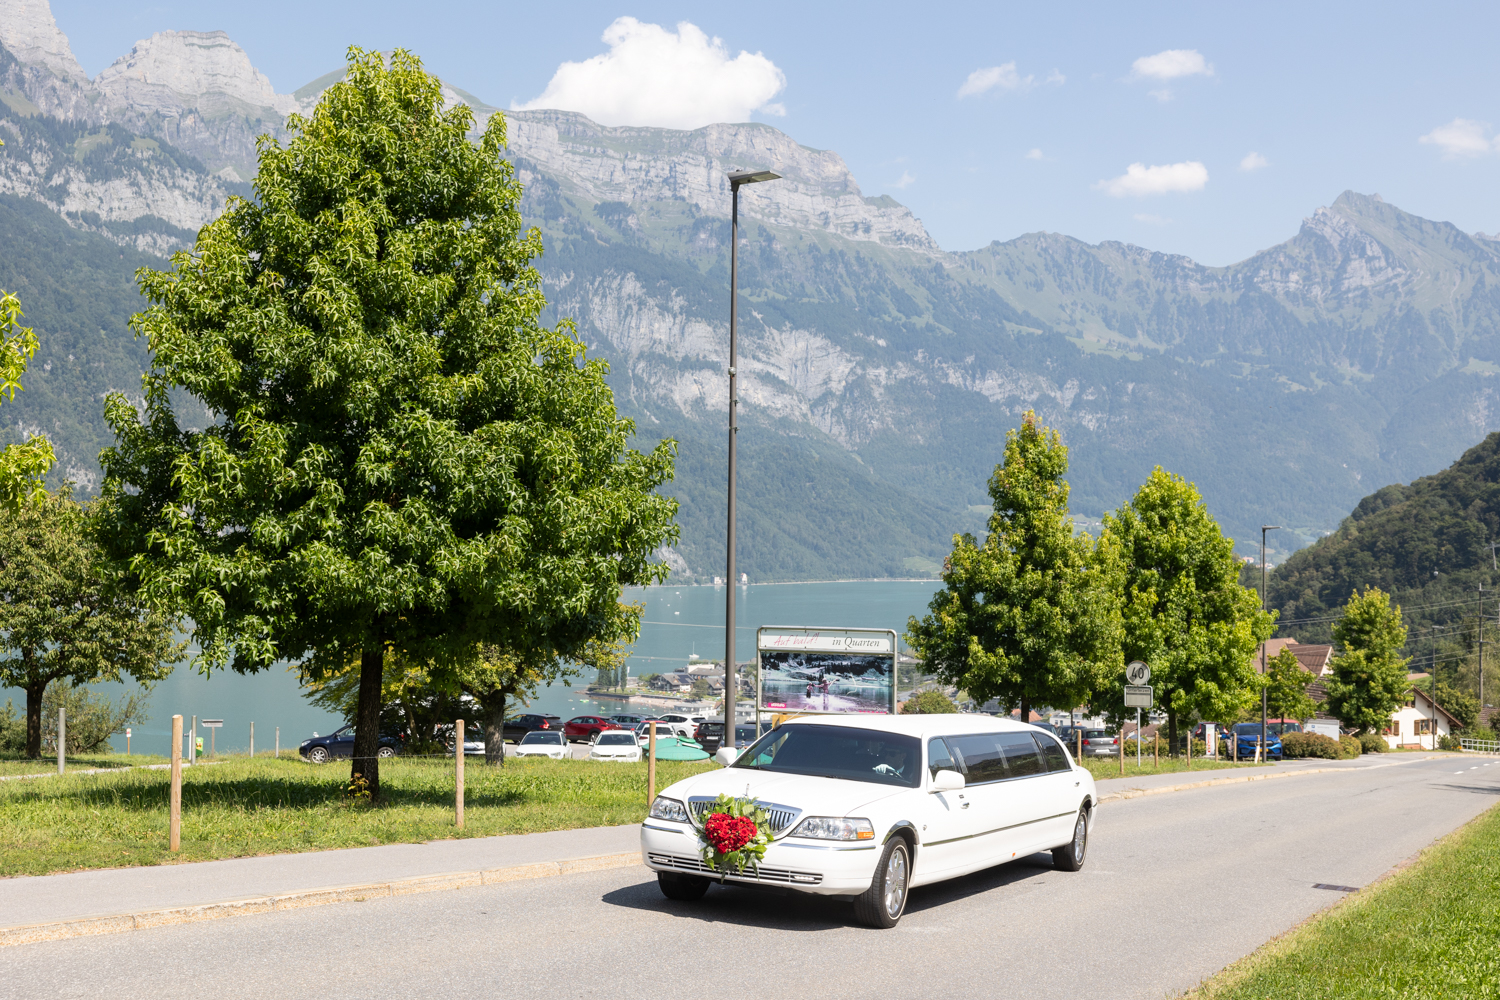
[(734, 835)]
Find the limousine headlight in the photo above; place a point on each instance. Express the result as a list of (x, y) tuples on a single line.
[(830, 828), (669, 809)]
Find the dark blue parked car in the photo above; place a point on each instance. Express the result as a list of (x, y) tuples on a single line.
[(1247, 738), (340, 743)]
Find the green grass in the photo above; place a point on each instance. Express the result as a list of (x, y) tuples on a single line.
[(241, 807), (1102, 768), (1430, 931), (48, 765)]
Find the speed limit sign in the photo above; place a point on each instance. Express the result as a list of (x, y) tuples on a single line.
[(1137, 672)]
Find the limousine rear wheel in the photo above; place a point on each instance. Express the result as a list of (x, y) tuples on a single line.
[(1069, 857), (882, 904), (687, 888)]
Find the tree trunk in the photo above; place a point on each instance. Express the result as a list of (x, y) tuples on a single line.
[(494, 729), (367, 721), (1025, 708), (1172, 731), (34, 694)]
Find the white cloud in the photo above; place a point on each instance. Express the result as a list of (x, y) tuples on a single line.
[(1461, 137), (1152, 220), (1171, 64), (1254, 161), (1034, 154), (652, 76), (1003, 76), (1140, 180), (905, 180), (1056, 79), (1163, 95)]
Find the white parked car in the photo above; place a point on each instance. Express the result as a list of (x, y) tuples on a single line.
[(615, 744), (866, 807), (680, 725), (543, 743)]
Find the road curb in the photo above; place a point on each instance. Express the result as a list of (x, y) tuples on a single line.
[(1136, 793), (118, 923)]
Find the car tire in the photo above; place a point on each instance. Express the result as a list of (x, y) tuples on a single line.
[(882, 904), (318, 755), (386, 752), (1070, 856), (683, 888)]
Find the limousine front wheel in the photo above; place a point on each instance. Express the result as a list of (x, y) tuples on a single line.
[(686, 888), (1069, 857), (882, 904)]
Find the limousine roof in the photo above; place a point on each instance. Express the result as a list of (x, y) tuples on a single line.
[(917, 725)]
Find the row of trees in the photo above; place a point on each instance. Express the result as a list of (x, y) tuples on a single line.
[(1038, 615)]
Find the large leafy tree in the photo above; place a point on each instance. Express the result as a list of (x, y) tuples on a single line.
[(404, 458), (1185, 614), (22, 465), (60, 619), (1031, 615), (1369, 679), (1286, 688)]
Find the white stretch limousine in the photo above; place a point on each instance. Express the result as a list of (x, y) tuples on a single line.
[(868, 806)]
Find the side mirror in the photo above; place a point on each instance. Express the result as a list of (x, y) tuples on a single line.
[(726, 755), (947, 781)]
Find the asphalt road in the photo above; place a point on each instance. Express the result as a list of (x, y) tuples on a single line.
[(1176, 887)]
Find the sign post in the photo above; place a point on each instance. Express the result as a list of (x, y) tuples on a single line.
[(212, 725), (824, 671), (1138, 695)]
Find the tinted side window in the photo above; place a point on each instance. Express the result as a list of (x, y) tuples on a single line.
[(938, 757), (1056, 759), (1022, 757), (980, 756)]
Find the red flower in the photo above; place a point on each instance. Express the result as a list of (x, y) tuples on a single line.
[(727, 833)]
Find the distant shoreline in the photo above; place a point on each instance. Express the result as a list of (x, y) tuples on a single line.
[(793, 583)]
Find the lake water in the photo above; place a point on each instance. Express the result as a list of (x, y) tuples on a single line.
[(679, 621)]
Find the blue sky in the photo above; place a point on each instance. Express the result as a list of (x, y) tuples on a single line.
[(989, 120)]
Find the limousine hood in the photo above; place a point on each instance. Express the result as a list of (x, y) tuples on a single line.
[(811, 794)]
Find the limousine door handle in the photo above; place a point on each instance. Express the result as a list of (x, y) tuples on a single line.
[(965, 805)]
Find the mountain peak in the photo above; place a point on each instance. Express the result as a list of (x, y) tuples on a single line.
[(30, 32), (173, 69)]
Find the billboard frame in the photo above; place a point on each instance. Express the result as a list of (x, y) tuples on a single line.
[(814, 633)]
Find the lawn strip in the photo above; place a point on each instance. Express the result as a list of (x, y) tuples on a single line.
[(1102, 768), (48, 765), (242, 807), (1431, 929)]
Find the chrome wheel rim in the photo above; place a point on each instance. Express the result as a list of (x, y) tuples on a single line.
[(385, 752), (895, 883), (1080, 837)]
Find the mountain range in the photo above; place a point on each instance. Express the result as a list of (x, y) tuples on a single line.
[(879, 371)]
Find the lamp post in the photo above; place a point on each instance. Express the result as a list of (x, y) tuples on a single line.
[(737, 179), (1263, 529)]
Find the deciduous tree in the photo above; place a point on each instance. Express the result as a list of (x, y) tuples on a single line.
[(1032, 614), (1286, 688), (23, 465), (1185, 614), (1369, 679), (404, 458)]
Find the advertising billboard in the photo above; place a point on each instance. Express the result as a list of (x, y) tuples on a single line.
[(820, 670)]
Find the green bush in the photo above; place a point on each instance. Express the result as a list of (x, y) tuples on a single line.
[(1297, 745), (1373, 743), (1450, 741), (929, 703), (1350, 748)]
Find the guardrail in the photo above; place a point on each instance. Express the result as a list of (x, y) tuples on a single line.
[(1481, 746)]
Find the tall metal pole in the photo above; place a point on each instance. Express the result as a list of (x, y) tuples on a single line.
[(730, 683), (1263, 670), (1481, 647)]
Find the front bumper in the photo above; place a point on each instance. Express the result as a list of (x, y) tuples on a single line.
[(825, 868)]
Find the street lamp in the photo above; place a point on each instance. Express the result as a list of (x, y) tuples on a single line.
[(1263, 529), (737, 179)]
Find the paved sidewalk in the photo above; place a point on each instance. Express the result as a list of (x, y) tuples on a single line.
[(36, 898), (1146, 782)]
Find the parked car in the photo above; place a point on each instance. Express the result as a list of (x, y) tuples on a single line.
[(473, 738), (1096, 743), (682, 725), (1247, 737), (710, 735), (1283, 726), (1049, 727), (627, 720), (340, 743), (616, 745), (642, 731), (518, 726), (543, 743), (585, 727), (847, 801)]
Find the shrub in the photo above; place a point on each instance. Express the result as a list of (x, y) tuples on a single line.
[(1373, 743), (928, 703), (1294, 745), (1450, 741), (1350, 748)]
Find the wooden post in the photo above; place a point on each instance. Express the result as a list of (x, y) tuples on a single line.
[(127, 741), (1121, 742), (252, 739), (651, 766), (1079, 734), (1156, 749), (278, 741), (458, 774), (193, 742), (62, 739), (1190, 749), (174, 828)]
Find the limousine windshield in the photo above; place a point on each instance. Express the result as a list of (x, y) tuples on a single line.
[(838, 752)]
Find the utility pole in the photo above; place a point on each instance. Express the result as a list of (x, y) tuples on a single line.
[(1481, 647), (1263, 529)]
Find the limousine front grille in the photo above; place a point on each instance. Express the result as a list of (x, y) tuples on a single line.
[(781, 817), (775, 876)]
